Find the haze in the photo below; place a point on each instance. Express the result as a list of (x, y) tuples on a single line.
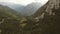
[(24, 2), (25, 7)]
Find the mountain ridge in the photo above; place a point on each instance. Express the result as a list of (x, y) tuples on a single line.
[(24, 10), (31, 8)]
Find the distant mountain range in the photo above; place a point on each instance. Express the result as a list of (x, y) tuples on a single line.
[(13, 6), (31, 8), (24, 10)]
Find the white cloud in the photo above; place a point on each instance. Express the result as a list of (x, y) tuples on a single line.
[(24, 2)]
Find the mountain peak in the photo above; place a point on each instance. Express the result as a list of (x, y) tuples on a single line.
[(24, 10), (48, 7), (31, 8)]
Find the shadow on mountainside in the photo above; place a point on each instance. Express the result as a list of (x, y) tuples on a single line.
[(49, 24)]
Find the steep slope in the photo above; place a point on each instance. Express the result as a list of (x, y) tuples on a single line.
[(50, 23), (9, 20), (24, 10), (31, 8), (16, 7), (6, 11), (51, 4)]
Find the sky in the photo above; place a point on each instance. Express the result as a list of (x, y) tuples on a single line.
[(24, 2)]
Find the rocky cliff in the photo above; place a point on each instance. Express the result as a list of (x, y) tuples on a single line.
[(49, 24), (45, 21), (48, 7)]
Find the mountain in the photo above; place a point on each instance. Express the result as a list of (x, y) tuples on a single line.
[(31, 8), (50, 24), (8, 20), (8, 12), (47, 8), (24, 10), (16, 7)]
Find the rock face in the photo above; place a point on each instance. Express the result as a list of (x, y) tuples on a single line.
[(50, 23), (51, 4), (45, 21)]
